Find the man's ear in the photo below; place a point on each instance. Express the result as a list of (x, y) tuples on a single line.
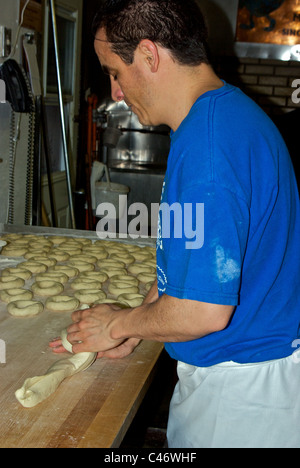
[(150, 54)]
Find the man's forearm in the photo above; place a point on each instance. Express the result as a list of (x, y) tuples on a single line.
[(170, 319)]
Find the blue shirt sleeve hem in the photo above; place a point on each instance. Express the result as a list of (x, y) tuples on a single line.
[(203, 296)]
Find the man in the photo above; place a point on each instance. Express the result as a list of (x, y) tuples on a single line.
[(228, 308)]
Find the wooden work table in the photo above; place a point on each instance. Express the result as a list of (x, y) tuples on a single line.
[(92, 409)]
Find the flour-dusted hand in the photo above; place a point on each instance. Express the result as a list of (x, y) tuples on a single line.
[(92, 330)]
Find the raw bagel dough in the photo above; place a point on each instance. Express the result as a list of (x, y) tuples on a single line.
[(136, 269), (71, 272), (34, 267), (85, 283), (146, 277), (47, 288), (58, 276), (125, 279), (25, 308), (101, 254), (14, 295), (132, 300), (62, 304), (59, 255), (82, 266), (118, 288), (123, 257), (95, 275), (89, 296), (50, 262), (17, 272), (38, 389), (14, 251), (87, 258), (11, 282)]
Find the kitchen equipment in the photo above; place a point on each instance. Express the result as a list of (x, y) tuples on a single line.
[(130, 144)]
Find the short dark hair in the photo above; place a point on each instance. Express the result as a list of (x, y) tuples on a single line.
[(177, 25)]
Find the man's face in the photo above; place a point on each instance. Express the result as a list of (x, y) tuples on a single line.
[(128, 82)]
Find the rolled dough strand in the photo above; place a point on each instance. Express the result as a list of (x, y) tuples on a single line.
[(50, 262), (71, 272), (81, 283), (38, 389), (14, 251)]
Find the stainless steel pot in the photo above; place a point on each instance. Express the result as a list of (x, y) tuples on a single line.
[(130, 144)]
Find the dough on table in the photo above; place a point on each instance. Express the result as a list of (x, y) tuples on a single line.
[(11, 282), (118, 288), (34, 267), (47, 288), (85, 283), (62, 304), (37, 389), (89, 296), (25, 308), (131, 300), (13, 295), (18, 272)]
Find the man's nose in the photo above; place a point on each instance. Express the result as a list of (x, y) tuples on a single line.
[(116, 92)]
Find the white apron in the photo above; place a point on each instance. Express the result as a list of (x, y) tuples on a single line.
[(237, 406)]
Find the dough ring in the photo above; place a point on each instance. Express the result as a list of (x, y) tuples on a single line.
[(139, 268), (141, 256), (131, 300), (14, 295), (56, 240), (62, 304), (124, 258), (34, 267), (59, 255), (57, 276), (89, 296), (110, 263), (47, 288), (11, 282), (85, 283), (114, 271), (122, 288), (87, 258), (125, 279), (38, 389), (50, 262), (101, 254), (95, 275), (82, 266), (146, 277), (14, 251), (71, 272), (17, 272), (25, 308)]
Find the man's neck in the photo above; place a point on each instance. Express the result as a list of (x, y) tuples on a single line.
[(189, 85)]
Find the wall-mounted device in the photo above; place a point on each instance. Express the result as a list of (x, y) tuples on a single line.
[(5, 42), (16, 88)]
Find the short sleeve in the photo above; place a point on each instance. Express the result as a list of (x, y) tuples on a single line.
[(201, 245)]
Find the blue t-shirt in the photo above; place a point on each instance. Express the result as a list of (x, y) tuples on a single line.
[(229, 230)]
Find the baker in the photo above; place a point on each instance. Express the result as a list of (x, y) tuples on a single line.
[(228, 312)]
